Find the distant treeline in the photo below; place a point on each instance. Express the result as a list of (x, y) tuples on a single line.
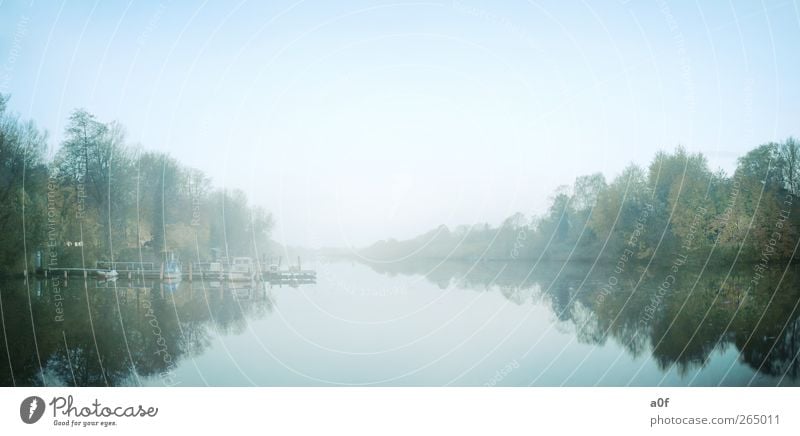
[(101, 198), (674, 209)]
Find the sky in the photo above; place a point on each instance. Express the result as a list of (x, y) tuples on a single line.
[(355, 121)]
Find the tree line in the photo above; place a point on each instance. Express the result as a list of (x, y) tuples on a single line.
[(102, 198), (675, 206)]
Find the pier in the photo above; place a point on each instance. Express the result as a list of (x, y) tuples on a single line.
[(194, 271)]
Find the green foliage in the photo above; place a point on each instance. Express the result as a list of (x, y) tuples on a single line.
[(23, 184), (122, 203), (677, 205)]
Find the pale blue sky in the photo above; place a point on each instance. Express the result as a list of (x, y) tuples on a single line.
[(360, 120)]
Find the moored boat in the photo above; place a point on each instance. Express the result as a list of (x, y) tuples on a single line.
[(172, 270), (241, 269), (108, 274)]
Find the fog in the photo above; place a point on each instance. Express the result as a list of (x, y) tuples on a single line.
[(363, 121)]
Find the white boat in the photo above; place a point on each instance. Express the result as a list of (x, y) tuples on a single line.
[(172, 270), (107, 274), (241, 269)]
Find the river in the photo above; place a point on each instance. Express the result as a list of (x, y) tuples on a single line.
[(423, 323)]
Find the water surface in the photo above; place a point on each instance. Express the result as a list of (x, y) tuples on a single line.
[(408, 324)]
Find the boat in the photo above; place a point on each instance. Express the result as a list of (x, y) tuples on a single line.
[(107, 274), (172, 270), (241, 269)]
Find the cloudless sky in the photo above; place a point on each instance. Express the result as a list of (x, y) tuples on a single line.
[(354, 121)]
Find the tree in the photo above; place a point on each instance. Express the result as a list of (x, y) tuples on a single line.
[(619, 206), (559, 216), (789, 157), (586, 191), (762, 165), (23, 188), (689, 200), (94, 159)]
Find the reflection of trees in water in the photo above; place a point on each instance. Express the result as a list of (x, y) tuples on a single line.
[(699, 315), (161, 327), (771, 348)]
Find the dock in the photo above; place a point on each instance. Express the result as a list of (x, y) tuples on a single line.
[(287, 276), (195, 271)]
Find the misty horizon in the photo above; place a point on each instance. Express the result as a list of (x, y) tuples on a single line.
[(353, 123), (404, 193)]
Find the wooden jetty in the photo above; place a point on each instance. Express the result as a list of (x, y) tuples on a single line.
[(195, 271), (288, 276)]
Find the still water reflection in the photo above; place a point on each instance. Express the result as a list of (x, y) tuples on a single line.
[(413, 323)]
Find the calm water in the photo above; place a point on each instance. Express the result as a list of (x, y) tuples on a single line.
[(422, 323)]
